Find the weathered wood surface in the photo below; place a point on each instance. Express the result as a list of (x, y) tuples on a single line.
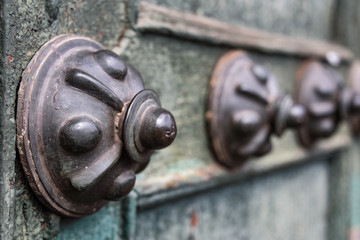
[(340, 175), (353, 209), (105, 224), (179, 71), (346, 27), (25, 27), (287, 204), (312, 19), (21, 215), (159, 19)]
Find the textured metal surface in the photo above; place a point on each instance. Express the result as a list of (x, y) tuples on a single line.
[(245, 106), (74, 100)]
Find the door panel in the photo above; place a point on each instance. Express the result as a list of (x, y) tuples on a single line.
[(184, 193), (290, 203)]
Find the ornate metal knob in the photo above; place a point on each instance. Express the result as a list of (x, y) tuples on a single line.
[(245, 107), (354, 81), (86, 125), (322, 91)]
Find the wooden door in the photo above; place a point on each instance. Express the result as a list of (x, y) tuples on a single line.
[(184, 193)]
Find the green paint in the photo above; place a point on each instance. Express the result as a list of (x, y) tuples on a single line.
[(304, 18), (179, 70), (24, 29), (129, 211), (355, 201), (355, 189), (346, 30), (25, 25), (103, 225), (290, 203)]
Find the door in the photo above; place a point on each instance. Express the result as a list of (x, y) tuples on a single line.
[(184, 193)]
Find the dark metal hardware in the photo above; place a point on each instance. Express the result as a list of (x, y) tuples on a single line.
[(86, 125), (354, 119), (322, 91), (245, 107)]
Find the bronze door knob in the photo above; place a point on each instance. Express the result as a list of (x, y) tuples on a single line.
[(246, 106), (322, 91), (354, 82), (86, 125)]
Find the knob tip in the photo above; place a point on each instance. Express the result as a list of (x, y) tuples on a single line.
[(296, 116), (158, 129)]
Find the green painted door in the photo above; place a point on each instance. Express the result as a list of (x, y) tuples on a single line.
[(184, 194)]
